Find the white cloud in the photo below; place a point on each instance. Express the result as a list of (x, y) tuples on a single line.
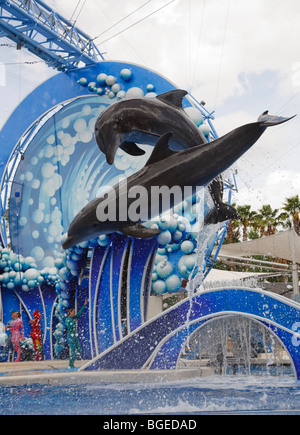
[(278, 186)]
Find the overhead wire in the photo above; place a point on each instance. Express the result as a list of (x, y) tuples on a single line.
[(123, 19), (222, 53), (137, 22), (79, 13), (128, 43), (74, 12), (199, 42), (291, 99), (190, 44), (23, 63)]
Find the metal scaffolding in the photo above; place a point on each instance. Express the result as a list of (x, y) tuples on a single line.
[(47, 34)]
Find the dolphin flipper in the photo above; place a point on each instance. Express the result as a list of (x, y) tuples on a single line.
[(132, 149), (139, 231), (267, 120)]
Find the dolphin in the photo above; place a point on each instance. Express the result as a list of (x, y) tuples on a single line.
[(220, 212), (144, 120), (196, 166)]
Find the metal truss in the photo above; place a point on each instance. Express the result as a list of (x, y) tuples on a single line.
[(47, 34)]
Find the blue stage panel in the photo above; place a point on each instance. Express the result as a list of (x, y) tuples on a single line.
[(82, 293), (97, 262), (149, 343), (119, 249), (141, 254), (165, 359)]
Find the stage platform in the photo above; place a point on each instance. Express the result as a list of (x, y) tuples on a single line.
[(56, 372)]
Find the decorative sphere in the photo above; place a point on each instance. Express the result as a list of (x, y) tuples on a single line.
[(101, 79), (126, 74), (110, 80), (134, 93), (115, 88), (186, 264), (159, 286), (151, 95), (173, 283), (83, 81), (164, 269), (32, 283), (195, 115), (150, 87), (92, 86), (190, 261), (177, 236), (121, 95), (187, 246), (164, 238), (163, 223), (158, 258), (111, 95), (31, 274), (205, 130)]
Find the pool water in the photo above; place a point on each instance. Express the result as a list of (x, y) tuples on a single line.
[(213, 395)]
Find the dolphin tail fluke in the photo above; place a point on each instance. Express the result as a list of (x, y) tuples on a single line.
[(221, 213), (267, 120), (139, 231)]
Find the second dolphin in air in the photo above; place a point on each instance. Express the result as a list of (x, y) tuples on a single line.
[(196, 166)]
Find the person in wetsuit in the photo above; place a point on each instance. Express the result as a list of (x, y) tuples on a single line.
[(36, 335), (72, 335)]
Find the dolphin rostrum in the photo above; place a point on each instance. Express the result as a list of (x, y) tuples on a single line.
[(144, 120), (196, 166)]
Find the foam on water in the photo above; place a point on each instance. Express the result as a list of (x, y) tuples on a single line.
[(216, 394)]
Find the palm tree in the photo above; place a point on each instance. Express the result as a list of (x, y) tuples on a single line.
[(233, 232), (292, 208), (247, 219), (268, 220)]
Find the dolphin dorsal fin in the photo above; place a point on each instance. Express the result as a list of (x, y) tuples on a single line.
[(174, 98), (161, 150)]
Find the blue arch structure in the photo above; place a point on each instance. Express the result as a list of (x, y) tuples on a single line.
[(40, 204), (158, 343)]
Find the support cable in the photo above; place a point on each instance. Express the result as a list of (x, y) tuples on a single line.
[(123, 19), (137, 22)]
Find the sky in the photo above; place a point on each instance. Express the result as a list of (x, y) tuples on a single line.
[(241, 57)]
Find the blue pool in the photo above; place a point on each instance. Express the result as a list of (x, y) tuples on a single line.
[(213, 395)]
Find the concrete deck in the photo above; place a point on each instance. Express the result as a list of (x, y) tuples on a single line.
[(56, 372)]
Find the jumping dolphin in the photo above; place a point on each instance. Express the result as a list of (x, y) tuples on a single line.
[(196, 166), (144, 120), (220, 212)]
